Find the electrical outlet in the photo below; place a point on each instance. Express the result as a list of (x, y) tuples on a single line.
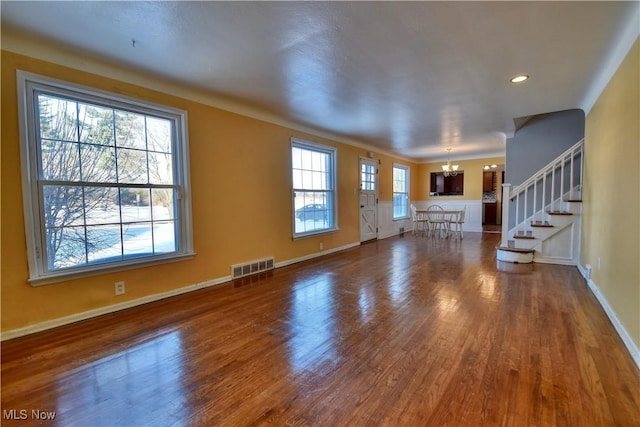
[(599, 264), (321, 246), (119, 288)]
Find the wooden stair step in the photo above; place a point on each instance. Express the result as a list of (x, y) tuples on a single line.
[(522, 236), (540, 224), (559, 213)]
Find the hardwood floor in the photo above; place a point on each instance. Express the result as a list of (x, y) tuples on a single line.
[(406, 331), (492, 228)]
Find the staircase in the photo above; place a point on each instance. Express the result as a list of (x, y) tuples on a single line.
[(542, 220)]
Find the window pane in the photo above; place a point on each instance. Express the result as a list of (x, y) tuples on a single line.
[(296, 158), (318, 161), (164, 237), (130, 130), (399, 180), (400, 203), (135, 204), (58, 118), (101, 205), (162, 203), (297, 179), (96, 124), (319, 181), (132, 166), (98, 163), (159, 134), (63, 206), (306, 159), (160, 168), (313, 211), (104, 243), (65, 247), (60, 161), (367, 177), (137, 239), (307, 179), (310, 169)]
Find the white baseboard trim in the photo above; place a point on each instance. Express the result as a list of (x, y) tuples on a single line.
[(552, 260), (61, 321), (315, 255), (619, 327)]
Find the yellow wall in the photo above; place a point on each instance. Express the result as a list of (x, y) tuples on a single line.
[(241, 201), (472, 178), (611, 229)]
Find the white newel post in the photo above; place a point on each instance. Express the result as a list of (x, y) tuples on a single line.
[(506, 194)]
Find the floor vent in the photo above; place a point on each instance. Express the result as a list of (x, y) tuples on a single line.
[(241, 270)]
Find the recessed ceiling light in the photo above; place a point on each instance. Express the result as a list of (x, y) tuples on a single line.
[(519, 79)]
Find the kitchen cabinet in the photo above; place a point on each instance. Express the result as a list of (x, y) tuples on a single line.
[(490, 213), (488, 181), (439, 184), (447, 185), (454, 184)]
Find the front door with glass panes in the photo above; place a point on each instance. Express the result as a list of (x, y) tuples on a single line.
[(368, 199)]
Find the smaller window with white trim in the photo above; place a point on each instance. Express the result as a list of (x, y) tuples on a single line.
[(314, 193), (105, 180), (400, 191)]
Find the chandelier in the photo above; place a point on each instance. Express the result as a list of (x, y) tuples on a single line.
[(449, 169)]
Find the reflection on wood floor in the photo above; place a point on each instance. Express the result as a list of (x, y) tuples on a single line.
[(405, 331), (492, 228)]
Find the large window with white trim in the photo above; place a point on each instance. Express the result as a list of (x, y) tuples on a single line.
[(314, 193), (400, 191), (105, 180)]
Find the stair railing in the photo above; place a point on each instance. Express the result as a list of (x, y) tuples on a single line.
[(558, 181)]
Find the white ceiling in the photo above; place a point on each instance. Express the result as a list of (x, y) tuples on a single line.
[(411, 78)]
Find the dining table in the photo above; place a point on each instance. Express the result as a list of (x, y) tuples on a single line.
[(439, 221)]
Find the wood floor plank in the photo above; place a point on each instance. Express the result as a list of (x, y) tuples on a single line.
[(400, 332)]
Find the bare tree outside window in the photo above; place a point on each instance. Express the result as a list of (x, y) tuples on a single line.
[(93, 161)]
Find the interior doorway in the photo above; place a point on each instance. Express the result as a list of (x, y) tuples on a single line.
[(492, 179)]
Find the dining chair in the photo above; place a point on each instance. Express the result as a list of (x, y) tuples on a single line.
[(419, 221), (437, 223), (456, 222)]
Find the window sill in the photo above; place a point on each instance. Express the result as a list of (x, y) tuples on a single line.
[(63, 276), (314, 233)]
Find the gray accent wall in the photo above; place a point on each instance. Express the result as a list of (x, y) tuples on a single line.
[(539, 141)]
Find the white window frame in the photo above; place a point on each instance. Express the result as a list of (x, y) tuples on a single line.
[(407, 170), (332, 152), (39, 272)]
